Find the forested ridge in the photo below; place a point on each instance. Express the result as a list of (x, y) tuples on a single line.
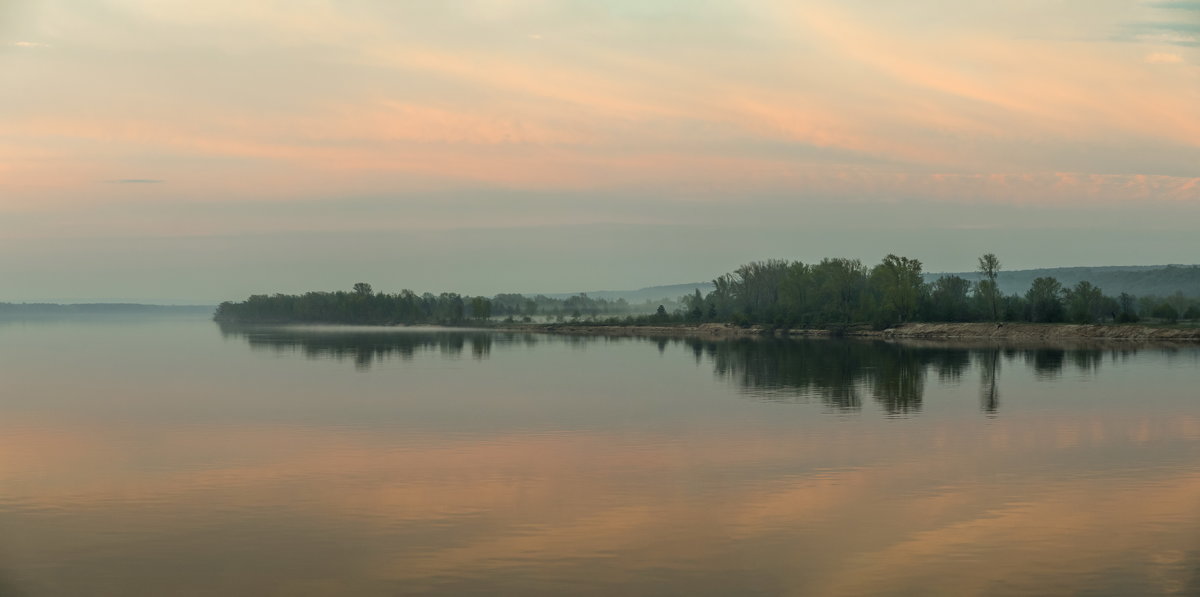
[(777, 293)]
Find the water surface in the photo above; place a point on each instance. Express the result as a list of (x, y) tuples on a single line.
[(176, 457)]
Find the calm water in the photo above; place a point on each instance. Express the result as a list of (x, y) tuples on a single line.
[(171, 457)]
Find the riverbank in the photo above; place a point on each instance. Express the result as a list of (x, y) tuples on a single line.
[(702, 330), (1041, 331), (990, 331)]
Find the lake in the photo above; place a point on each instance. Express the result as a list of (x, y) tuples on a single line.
[(171, 456)]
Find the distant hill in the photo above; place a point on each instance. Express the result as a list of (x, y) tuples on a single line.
[(1139, 280), (667, 293)]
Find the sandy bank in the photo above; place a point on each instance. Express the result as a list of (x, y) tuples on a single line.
[(1037, 331), (703, 330), (1024, 332)]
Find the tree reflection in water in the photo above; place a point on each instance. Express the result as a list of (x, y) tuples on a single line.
[(989, 367), (369, 346), (839, 373)]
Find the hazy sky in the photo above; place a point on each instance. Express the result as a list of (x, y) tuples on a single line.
[(162, 150)]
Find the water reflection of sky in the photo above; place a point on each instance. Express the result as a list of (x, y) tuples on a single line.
[(165, 460)]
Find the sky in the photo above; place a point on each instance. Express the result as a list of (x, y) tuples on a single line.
[(168, 151)]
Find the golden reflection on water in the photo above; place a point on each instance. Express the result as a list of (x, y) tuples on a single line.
[(966, 514), (761, 469)]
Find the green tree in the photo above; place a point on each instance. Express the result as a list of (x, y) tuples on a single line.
[(949, 299), (1084, 302), (795, 294), (839, 286), (362, 289), (989, 267), (694, 305), (481, 308), (1128, 311), (1166, 312), (1045, 300), (899, 285)]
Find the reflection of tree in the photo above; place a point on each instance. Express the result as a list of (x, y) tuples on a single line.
[(783, 368), (899, 379), (481, 346), (989, 366), (1047, 362), (950, 363), (1087, 361), (365, 348), (836, 372)]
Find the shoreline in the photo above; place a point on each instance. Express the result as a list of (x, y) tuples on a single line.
[(990, 332), (1031, 332)]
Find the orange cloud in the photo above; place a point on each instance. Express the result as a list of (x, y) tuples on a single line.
[(830, 103)]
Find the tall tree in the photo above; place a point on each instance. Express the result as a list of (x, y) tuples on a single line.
[(989, 266), (839, 286), (900, 286), (1128, 306)]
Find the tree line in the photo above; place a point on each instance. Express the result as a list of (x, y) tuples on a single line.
[(777, 293), (363, 305), (844, 291)]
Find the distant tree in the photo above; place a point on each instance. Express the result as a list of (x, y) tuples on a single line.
[(1128, 311), (839, 286), (948, 299), (756, 288), (774, 292), (1014, 307), (899, 285), (989, 267), (481, 308), (694, 305), (1146, 305), (1166, 312), (1179, 301), (796, 294), (1045, 300), (1085, 303), (1109, 308)]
